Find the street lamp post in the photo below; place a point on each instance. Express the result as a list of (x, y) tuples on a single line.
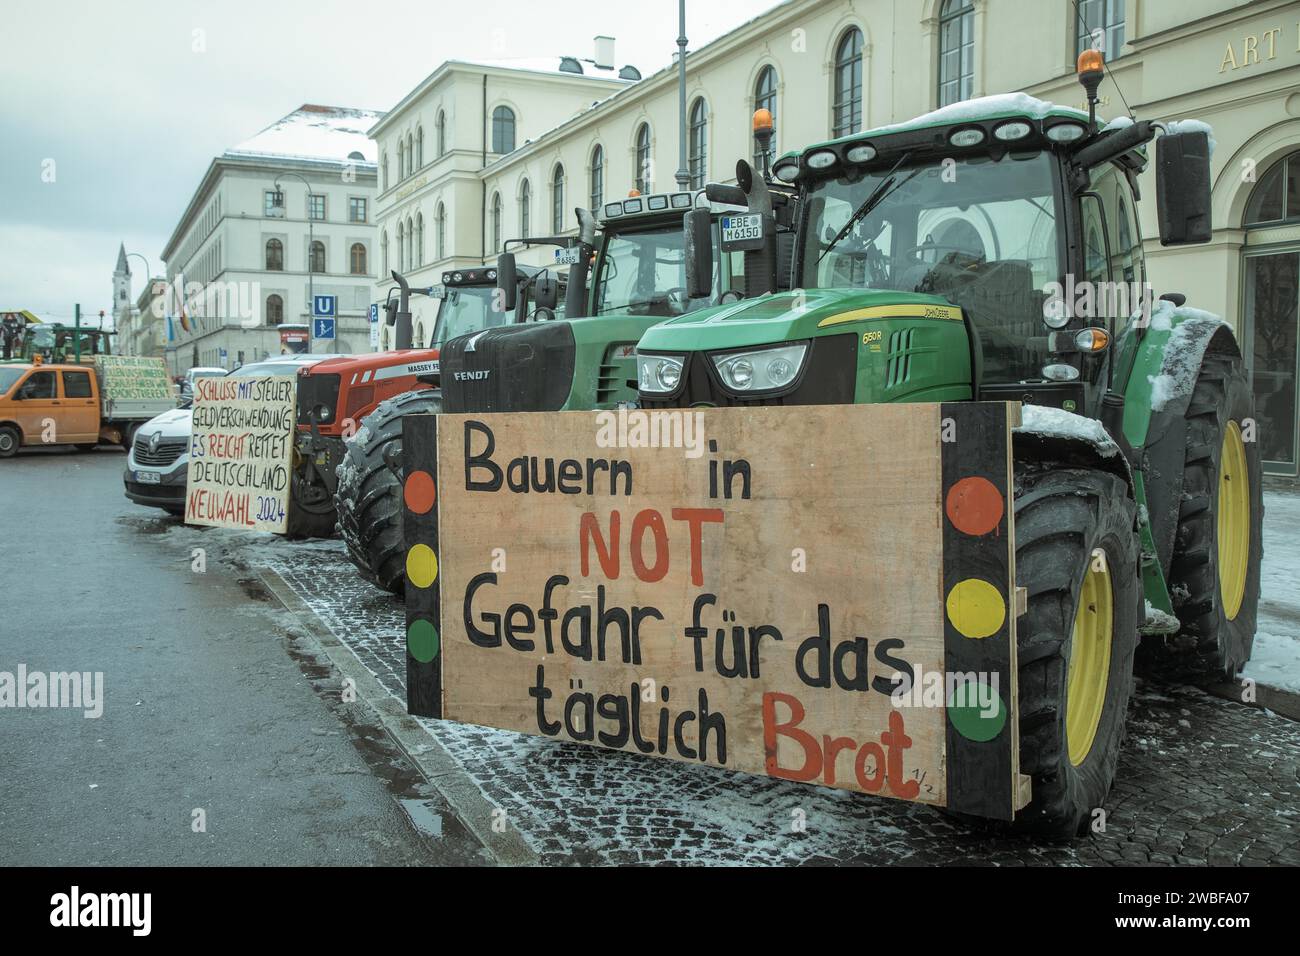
[(683, 172), (148, 277), (311, 241)]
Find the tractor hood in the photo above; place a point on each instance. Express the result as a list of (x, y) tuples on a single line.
[(789, 316)]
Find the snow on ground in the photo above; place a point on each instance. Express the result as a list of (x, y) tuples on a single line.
[(1275, 660)]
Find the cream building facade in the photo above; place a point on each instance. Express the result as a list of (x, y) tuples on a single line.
[(827, 68), (248, 266), (434, 145)]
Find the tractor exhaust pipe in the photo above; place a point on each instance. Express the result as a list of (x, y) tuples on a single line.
[(403, 334)]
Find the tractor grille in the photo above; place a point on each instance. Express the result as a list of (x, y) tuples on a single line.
[(828, 379), (520, 368), (169, 449), (314, 390)]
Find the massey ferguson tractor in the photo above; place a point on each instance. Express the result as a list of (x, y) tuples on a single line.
[(626, 272), (335, 394), (962, 256)]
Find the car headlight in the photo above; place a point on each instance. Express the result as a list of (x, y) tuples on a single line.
[(659, 373), (761, 370)]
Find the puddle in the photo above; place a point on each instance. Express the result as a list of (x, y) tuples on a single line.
[(423, 816)]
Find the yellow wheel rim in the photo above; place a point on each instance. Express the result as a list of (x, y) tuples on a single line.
[(1233, 521), (1089, 670)]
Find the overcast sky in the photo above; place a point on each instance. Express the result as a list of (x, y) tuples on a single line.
[(130, 103)]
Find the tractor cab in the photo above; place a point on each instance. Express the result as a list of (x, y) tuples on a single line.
[(55, 342), (944, 259)]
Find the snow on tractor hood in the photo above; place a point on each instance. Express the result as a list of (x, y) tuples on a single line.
[(786, 316), (1047, 422)]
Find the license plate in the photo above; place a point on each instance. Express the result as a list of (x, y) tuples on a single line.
[(567, 257), (148, 477), (741, 228)]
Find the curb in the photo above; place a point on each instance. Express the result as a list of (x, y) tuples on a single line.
[(442, 771), (1284, 703)]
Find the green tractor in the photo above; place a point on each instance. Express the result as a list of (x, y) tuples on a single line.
[(963, 256), (626, 271)]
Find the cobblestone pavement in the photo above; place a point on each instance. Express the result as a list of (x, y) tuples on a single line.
[(1202, 780)]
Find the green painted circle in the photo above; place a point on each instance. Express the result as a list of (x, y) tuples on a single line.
[(968, 716), (422, 640)]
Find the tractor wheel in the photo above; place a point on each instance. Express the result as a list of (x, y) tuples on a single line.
[(1218, 547), (10, 440), (1077, 556), (369, 496)]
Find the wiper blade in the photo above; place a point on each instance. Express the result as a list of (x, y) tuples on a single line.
[(868, 204)]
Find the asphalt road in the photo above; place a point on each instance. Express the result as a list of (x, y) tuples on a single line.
[(214, 711)]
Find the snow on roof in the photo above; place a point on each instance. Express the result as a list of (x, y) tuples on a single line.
[(551, 64), (320, 133), (984, 107)]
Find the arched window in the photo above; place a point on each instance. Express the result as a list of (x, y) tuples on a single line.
[(642, 174), (401, 244), (1276, 196), (419, 148), (441, 222), (442, 132), (419, 239), (357, 259), (765, 99), (1100, 24), (496, 221), (597, 178), (318, 256), (503, 130), (956, 50), (274, 255), (274, 310), (383, 250), (410, 155), (525, 200), (419, 335), (410, 243), (846, 116), (384, 163), (401, 160), (698, 140), (557, 199)]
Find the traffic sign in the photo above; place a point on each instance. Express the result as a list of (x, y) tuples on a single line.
[(322, 328), (374, 324), (323, 305)]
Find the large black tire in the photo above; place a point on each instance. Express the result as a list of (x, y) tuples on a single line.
[(369, 496), (1209, 644), (1063, 516), (307, 523)]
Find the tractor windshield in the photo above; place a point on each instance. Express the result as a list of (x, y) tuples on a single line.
[(466, 308), (644, 273), (980, 232)]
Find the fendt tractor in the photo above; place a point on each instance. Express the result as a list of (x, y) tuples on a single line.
[(626, 272), (925, 260), (55, 342), (335, 394)]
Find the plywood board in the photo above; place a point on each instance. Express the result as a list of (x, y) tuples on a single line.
[(241, 448), (782, 591)]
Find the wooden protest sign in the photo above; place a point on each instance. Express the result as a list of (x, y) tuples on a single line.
[(822, 594), (241, 447), (133, 377)]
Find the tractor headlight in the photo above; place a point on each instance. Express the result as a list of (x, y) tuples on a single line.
[(659, 373), (761, 370), (323, 412)]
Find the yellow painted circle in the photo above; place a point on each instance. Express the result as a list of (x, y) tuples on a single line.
[(1233, 521), (976, 608), (421, 565)]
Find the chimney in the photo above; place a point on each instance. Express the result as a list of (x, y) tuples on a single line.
[(604, 53)]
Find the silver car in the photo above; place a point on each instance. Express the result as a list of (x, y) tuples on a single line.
[(158, 462)]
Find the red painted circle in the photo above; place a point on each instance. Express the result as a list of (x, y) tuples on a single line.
[(419, 492), (974, 506)]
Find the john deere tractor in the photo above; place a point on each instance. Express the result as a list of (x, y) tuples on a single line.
[(626, 272), (952, 258)]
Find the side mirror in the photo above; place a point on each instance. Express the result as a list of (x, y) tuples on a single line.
[(546, 293), (507, 280), (1183, 188), (698, 226), (390, 312)]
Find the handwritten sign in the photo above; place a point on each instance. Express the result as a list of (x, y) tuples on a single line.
[(241, 446), (816, 594), (134, 377)]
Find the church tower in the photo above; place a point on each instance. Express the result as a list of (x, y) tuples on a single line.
[(122, 300)]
